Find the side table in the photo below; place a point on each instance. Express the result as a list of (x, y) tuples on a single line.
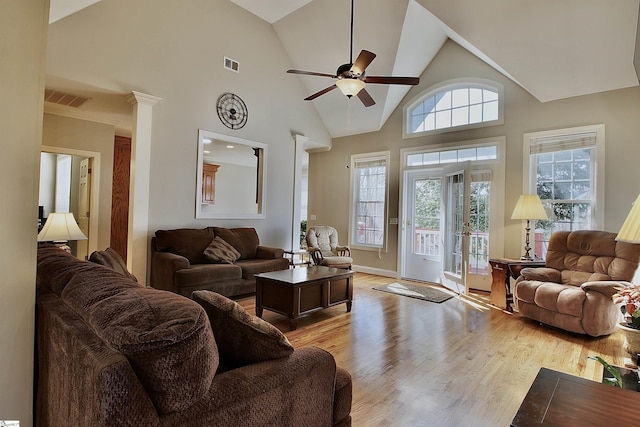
[(298, 258), (502, 271)]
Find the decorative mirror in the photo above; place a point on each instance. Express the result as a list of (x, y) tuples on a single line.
[(230, 178)]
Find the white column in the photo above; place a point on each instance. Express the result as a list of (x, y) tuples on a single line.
[(138, 237)]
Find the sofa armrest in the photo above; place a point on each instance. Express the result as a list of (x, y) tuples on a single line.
[(163, 268), (605, 287), (296, 390), (542, 274), (267, 252)]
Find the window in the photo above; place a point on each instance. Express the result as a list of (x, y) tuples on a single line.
[(564, 172), (479, 217), (369, 180), (454, 105)]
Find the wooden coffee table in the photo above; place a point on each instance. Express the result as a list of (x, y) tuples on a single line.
[(558, 399), (300, 291)]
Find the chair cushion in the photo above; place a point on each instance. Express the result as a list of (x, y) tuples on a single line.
[(112, 259), (333, 261), (187, 242), (245, 240), (219, 251), (242, 339)]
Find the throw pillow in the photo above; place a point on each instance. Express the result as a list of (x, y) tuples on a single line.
[(219, 251), (241, 338)]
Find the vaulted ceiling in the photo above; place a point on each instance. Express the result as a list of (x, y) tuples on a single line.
[(552, 49)]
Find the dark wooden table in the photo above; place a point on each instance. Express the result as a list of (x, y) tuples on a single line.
[(300, 291), (558, 399), (502, 271)]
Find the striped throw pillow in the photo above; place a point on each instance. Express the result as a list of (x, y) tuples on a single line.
[(221, 252)]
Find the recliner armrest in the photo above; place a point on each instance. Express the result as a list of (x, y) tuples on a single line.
[(605, 287), (543, 274), (163, 268), (267, 252)]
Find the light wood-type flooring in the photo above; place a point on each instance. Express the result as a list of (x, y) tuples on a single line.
[(459, 363)]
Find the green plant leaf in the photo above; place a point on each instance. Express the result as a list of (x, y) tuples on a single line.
[(613, 371)]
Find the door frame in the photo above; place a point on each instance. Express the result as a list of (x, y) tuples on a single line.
[(95, 188)]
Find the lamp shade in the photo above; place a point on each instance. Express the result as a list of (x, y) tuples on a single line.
[(529, 206), (630, 231), (350, 86), (60, 227)]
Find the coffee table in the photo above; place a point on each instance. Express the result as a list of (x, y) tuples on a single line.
[(558, 399), (299, 291)]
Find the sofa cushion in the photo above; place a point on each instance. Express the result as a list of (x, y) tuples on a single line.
[(245, 240), (166, 337), (56, 267), (242, 339), (187, 242), (251, 267), (219, 251), (112, 259)]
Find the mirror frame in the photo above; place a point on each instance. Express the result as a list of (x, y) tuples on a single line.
[(262, 180)]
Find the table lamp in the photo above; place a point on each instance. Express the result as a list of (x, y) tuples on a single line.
[(630, 230), (528, 207), (59, 229)]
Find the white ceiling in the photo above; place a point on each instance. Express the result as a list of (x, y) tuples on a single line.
[(553, 49)]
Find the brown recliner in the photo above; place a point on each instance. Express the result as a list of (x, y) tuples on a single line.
[(573, 291)]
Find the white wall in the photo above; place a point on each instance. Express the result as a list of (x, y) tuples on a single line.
[(47, 193), (618, 110), (23, 32), (176, 52)]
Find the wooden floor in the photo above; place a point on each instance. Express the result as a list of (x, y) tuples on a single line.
[(459, 363)]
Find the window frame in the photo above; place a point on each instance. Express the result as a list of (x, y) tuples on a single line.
[(598, 178), (353, 194), (447, 86)]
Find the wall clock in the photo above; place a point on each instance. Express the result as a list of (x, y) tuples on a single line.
[(232, 111)]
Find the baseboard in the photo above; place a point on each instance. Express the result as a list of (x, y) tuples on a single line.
[(376, 271)]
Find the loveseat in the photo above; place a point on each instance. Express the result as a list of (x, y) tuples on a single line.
[(111, 352), (574, 289), (217, 259)]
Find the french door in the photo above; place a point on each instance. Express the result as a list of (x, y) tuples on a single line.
[(436, 222), (456, 231)]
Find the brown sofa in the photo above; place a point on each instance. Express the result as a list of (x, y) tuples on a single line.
[(111, 352), (179, 264), (574, 289)]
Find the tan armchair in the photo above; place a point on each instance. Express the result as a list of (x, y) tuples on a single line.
[(573, 291), (322, 245)]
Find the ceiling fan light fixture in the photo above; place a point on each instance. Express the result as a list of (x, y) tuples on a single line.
[(350, 86)]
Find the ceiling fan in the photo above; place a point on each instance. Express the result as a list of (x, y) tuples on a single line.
[(351, 78)]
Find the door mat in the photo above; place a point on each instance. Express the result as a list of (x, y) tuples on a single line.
[(415, 291)]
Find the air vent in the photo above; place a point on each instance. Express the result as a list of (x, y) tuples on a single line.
[(62, 98), (232, 65)]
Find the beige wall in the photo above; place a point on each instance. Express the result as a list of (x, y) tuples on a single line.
[(618, 110), (69, 133), (22, 41), (176, 52)]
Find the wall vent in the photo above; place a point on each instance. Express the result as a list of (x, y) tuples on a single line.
[(62, 98), (232, 65)]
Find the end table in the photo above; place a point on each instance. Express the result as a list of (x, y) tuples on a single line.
[(502, 271)]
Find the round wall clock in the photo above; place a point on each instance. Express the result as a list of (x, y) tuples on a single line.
[(232, 111)]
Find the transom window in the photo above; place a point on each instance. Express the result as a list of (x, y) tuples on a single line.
[(452, 106)]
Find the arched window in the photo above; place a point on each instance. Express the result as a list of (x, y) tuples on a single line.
[(460, 104)]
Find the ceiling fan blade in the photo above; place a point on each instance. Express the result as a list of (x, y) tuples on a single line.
[(366, 99), (322, 92), (362, 62), (310, 73), (390, 80)]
